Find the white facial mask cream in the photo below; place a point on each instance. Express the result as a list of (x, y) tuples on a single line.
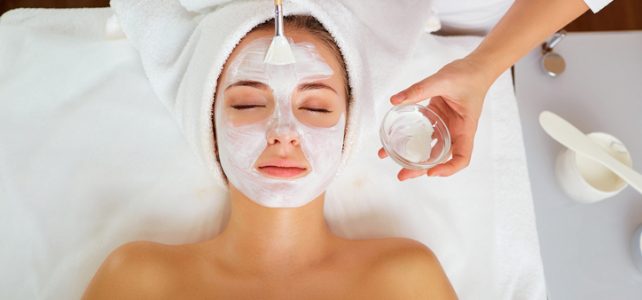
[(240, 145), (413, 140)]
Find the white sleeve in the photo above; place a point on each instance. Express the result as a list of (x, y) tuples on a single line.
[(597, 5)]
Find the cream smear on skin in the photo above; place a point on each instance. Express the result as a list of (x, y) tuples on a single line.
[(240, 146)]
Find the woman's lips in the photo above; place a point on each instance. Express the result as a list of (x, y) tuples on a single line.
[(282, 168), (282, 172)]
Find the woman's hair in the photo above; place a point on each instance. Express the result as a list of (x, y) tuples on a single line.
[(311, 25)]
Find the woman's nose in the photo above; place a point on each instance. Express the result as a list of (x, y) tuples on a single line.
[(283, 134)]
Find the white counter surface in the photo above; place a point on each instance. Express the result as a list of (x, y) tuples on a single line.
[(586, 248)]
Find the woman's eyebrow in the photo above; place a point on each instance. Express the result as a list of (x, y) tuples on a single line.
[(250, 83), (314, 86)]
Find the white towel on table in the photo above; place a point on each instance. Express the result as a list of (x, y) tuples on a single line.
[(90, 159)]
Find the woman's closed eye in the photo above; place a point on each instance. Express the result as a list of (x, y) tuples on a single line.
[(316, 105), (316, 110), (247, 106)]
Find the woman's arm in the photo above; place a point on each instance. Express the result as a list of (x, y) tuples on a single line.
[(458, 89), (525, 25)]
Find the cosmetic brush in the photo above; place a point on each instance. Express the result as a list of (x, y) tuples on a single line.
[(280, 52)]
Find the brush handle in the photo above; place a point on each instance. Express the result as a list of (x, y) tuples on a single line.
[(278, 18)]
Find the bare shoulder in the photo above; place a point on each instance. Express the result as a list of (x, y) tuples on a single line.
[(134, 270), (408, 269)]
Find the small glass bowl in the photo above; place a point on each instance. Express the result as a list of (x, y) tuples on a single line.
[(415, 136)]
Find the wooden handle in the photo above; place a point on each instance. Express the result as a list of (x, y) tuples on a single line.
[(278, 2)]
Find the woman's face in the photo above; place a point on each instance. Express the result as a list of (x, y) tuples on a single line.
[(280, 128)]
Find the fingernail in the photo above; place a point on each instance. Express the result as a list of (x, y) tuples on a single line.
[(399, 97)]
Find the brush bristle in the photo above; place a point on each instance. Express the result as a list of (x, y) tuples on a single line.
[(280, 52)]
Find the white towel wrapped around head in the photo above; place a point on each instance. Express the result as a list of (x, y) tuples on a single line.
[(184, 45)]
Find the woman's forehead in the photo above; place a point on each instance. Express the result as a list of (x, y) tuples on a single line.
[(250, 65), (298, 36)]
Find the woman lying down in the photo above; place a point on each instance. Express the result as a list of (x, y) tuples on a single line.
[(279, 136)]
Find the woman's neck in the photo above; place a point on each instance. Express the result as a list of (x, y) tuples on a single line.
[(275, 240)]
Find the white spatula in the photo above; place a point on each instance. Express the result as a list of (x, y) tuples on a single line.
[(566, 134)]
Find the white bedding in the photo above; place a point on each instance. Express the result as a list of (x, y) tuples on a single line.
[(90, 159)]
